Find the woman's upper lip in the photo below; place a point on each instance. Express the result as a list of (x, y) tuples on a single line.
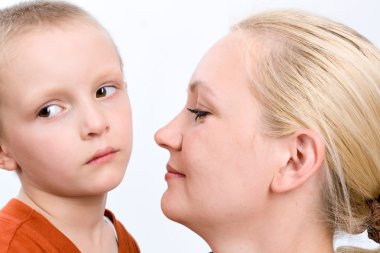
[(170, 169), (101, 152)]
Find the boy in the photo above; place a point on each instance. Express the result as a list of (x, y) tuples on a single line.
[(65, 128)]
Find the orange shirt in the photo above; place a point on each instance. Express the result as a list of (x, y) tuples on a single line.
[(22, 229)]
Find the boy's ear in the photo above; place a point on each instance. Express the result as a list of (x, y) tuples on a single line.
[(306, 156), (6, 161)]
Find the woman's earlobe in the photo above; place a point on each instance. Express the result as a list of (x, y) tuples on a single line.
[(306, 156)]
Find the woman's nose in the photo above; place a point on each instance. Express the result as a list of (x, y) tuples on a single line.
[(170, 136)]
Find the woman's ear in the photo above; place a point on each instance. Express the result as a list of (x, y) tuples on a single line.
[(306, 156), (6, 160)]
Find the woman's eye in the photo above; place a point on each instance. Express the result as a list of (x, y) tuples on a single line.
[(105, 91), (50, 111), (198, 113)]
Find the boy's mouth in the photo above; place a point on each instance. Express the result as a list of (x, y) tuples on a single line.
[(102, 155)]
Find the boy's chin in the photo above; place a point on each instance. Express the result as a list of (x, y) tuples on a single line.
[(107, 185)]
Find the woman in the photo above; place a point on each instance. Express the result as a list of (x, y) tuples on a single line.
[(278, 145)]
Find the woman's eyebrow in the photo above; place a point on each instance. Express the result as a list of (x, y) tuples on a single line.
[(196, 85)]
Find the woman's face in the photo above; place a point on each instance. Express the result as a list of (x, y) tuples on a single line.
[(221, 165)]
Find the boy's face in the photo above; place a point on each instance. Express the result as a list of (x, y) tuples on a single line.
[(65, 113)]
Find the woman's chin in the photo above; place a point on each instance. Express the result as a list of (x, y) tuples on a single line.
[(172, 208)]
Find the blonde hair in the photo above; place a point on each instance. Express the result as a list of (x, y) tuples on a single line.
[(25, 17), (30, 16), (319, 74)]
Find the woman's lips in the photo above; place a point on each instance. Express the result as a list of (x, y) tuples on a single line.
[(172, 173), (102, 156)]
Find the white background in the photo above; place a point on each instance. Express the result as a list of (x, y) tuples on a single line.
[(161, 42)]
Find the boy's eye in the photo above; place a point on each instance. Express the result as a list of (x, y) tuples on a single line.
[(105, 91), (198, 113), (50, 111)]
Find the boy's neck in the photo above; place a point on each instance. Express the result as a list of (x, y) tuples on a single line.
[(67, 211), (81, 219)]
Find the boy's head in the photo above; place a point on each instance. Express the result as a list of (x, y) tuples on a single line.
[(64, 112)]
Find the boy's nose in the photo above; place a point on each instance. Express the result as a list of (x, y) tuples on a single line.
[(94, 123), (169, 136)]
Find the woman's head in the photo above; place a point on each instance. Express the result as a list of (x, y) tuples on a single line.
[(321, 75), (216, 146), (286, 101), (222, 164)]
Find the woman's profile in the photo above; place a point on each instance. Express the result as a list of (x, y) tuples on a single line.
[(277, 148)]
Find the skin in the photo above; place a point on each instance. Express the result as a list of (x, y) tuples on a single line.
[(65, 103), (229, 182)]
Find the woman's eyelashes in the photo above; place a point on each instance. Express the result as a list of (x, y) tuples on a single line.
[(198, 113)]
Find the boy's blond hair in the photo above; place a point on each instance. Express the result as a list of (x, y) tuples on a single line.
[(25, 17), (30, 16), (318, 74)]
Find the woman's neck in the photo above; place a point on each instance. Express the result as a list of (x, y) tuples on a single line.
[(274, 238), (285, 228)]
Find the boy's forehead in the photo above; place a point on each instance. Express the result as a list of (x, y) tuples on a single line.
[(10, 47), (58, 46)]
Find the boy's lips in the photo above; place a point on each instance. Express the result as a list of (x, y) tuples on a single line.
[(102, 155), (173, 173)]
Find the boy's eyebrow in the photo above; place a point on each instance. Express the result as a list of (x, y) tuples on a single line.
[(110, 73)]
